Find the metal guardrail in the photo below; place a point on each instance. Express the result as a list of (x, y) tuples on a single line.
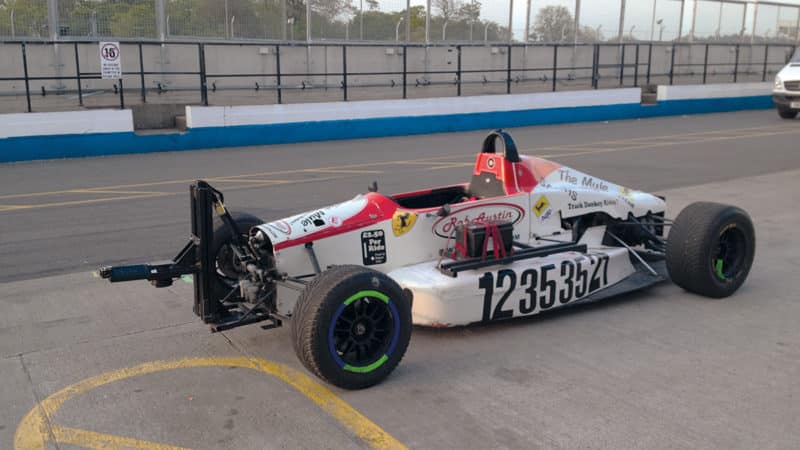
[(639, 70)]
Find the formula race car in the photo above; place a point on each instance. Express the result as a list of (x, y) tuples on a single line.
[(524, 236)]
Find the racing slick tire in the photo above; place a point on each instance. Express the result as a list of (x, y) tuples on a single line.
[(351, 326), (227, 274), (787, 113), (710, 249)]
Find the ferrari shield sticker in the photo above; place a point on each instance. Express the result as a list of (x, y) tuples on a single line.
[(541, 206), (373, 247), (402, 222)]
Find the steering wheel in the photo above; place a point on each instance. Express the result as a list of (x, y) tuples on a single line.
[(509, 147)]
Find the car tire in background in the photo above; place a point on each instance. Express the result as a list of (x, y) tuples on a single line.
[(787, 113), (351, 326), (227, 273)]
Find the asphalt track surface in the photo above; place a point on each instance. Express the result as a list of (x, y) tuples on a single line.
[(659, 369)]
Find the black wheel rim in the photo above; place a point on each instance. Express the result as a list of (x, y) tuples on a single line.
[(728, 258), (227, 269), (364, 331)]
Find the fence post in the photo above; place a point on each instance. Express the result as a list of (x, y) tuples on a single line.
[(25, 70), (595, 66), (458, 71), (672, 65), (141, 74), (121, 95), (278, 72), (649, 61), (736, 64), (508, 70), (78, 74), (705, 65), (344, 70), (622, 66), (203, 82), (636, 68), (405, 71), (766, 58), (555, 65)]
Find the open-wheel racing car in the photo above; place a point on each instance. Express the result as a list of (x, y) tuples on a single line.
[(524, 236)]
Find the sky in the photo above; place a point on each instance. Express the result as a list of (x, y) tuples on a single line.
[(639, 14)]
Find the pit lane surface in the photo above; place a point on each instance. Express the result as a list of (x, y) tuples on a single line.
[(661, 369)]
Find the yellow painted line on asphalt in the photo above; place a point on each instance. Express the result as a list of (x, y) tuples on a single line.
[(353, 171), (37, 429), (666, 144), (100, 441), (650, 138), (82, 202), (450, 166), (108, 191)]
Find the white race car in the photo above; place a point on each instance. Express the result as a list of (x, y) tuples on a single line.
[(524, 236), (786, 92)]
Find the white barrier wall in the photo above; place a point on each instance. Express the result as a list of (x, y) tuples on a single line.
[(61, 123), (216, 116), (704, 91)]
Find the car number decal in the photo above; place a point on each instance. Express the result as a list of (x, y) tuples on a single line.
[(545, 287)]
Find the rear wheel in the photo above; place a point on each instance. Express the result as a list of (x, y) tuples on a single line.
[(351, 326), (710, 249), (228, 272), (787, 113)]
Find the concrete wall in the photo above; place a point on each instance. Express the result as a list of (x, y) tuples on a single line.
[(65, 123)]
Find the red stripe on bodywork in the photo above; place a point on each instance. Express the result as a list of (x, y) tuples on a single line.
[(378, 209)]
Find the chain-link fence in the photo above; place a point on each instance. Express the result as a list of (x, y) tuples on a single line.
[(573, 21)]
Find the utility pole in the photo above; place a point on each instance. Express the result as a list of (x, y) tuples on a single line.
[(408, 20), (308, 38), (680, 24), (361, 25), (528, 25), (510, 21), (284, 20), (694, 21), (577, 23), (621, 20), (653, 22), (755, 22)]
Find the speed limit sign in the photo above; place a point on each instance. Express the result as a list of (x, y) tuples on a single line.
[(110, 61)]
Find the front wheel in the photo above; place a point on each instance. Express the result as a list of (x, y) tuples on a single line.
[(351, 326), (710, 249), (787, 113)]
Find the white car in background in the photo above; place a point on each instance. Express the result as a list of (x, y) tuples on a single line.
[(786, 92)]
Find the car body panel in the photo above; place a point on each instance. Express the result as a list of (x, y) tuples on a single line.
[(374, 230)]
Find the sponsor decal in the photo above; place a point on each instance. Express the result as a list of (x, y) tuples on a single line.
[(281, 226), (490, 163), (584, 181), (591, 204), (626, 195), (491, 212), (315, 219), (403, 222), (373, 247), (335, 221), (542, 208)]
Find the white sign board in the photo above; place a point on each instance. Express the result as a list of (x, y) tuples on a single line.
[(110, 61)]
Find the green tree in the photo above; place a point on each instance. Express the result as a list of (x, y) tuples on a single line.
[(553, 24)]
